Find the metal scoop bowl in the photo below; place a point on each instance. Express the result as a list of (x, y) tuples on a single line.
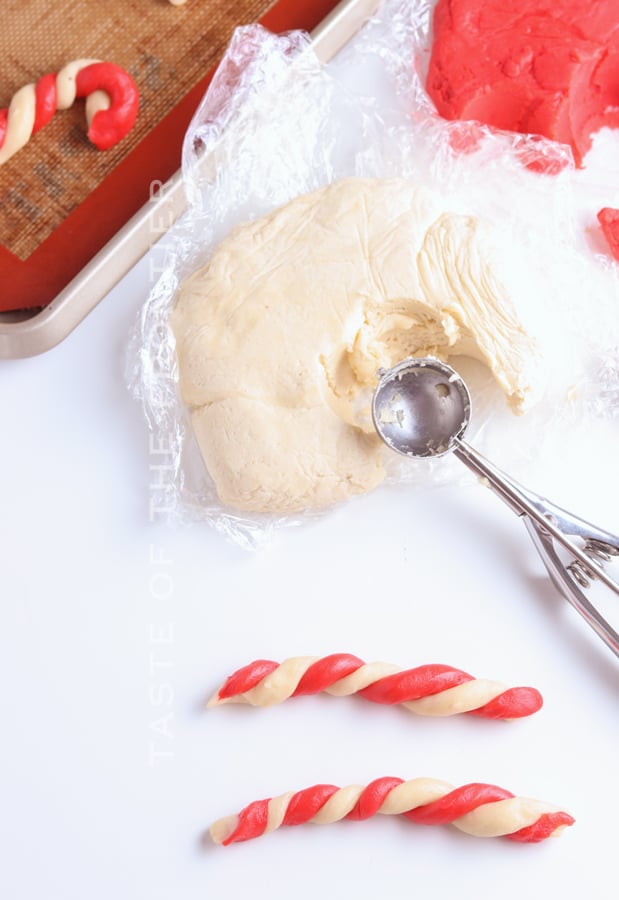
[(421, 408)]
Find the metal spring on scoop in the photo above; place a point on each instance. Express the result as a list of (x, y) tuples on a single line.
[(597, 550)]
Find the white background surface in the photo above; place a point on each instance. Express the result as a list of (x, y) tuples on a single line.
[(116, 628)]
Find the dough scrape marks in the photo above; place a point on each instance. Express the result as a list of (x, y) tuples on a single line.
[(279, 337)]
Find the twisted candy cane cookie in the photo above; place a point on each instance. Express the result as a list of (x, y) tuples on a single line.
[(431, 690), (111, 105), (482, 810)]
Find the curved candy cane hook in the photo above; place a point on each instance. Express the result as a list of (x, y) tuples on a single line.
[(111, 105)]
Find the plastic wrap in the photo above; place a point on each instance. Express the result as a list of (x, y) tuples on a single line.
[(276, 123)]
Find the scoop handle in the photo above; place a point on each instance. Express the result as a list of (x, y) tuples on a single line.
[(556, 522), (561, 578)]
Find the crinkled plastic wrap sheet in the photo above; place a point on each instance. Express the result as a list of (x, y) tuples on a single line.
[(274, 124)]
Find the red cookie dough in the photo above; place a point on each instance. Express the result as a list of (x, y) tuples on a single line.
[(543, 67), (609, 220), (109, 126)]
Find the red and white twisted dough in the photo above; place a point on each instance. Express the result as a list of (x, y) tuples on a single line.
[(431, 690), (111, 105), (482, 810)]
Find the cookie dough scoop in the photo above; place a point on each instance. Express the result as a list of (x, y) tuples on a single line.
[(421, 408)]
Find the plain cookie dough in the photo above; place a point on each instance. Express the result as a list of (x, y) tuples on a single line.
[(279, 337)]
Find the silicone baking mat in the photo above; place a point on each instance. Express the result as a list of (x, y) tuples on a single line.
[(61, 200)]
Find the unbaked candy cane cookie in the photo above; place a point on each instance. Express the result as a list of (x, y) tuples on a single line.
[(111, 105), (431, 690), (482, 810)]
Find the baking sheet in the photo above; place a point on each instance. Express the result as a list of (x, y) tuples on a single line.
[(165, 48), (22, 334), (170, 50)]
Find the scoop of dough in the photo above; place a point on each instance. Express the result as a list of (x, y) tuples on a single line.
[(280, 336)]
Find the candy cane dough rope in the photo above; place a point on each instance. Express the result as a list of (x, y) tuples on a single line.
[(431, 690), (111, 104), (482, 810)]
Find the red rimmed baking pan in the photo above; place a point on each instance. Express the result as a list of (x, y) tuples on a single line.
[(84, 220)]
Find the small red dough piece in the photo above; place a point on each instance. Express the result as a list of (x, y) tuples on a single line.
[(109, 126), (245, 679), (45, 101), (544, 828), (372, 798), (457, 803), (609, 220), (252, 823), (305, 804), (413, 684), (4, 118), (514, 703), (326, 671)]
